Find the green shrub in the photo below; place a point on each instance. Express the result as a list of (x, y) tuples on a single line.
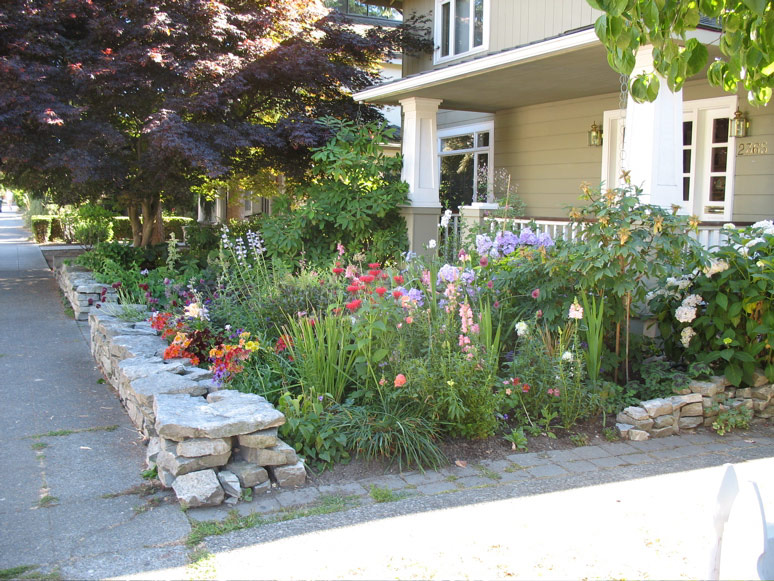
[(720, 313), (176, 225), (91, 232), (122, 228), (41, 228), (354, 200)]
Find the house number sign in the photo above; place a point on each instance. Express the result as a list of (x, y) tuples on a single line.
[(761, 148)]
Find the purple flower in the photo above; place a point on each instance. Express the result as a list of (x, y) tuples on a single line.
[(483, 244), (448, 273), (319, 398)]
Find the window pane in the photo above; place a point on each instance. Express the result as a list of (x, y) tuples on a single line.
[(686, 161), (720, 130), (445, 27), (457, 142), (358, 8), (482, 177), (461, 26), (717, 188), (686, 188), (719, 159), (478, 23), (483, 139), (456, 188), (687, 132)]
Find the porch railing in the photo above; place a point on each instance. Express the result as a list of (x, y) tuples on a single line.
[(708, 235)]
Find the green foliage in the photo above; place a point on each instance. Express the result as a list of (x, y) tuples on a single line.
[(625, 244), (730, 419), (517, 439), (747, 43), (721, 313), (390, 429), (312, 431), (384, 494), (41, 228), (324, 355), (353, 200), (658, 378)]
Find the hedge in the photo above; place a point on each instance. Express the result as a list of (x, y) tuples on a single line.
[(49, 228)]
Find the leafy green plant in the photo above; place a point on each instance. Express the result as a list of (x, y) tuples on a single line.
[(720, 313), (611, 435), (659, 378), (353, 200), (729, 419), (624, 245), (579, 440), (517, 439), (313, 431)]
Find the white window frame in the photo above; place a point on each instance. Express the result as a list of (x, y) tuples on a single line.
[(483, 127), (695, 111), (438, 27)]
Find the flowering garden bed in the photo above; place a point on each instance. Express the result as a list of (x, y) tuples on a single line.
[(385, 357)]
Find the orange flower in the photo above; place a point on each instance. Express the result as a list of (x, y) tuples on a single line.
[(400, 380)]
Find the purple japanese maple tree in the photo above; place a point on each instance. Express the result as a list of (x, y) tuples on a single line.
[(140, 100)]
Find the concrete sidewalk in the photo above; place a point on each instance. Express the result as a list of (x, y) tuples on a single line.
[(70, 485)]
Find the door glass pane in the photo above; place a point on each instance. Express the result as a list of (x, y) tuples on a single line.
[(686, 161), (720, 130), (457, 142), (461, 26), (686, 188), (478, 23), (717, 188), (482, 178), (719, 159), (687, 132), (483, 139), (445, 27), (456, 187)]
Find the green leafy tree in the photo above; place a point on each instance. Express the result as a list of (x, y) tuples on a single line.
[(746, 42), (353, 199)]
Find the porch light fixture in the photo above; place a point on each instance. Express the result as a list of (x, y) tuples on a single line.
[(739, 125), (595, 135)]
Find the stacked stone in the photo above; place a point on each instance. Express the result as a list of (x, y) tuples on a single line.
[(759, 398), (208, 444), (81, 290), (660, 417), (210, 450), (697, 404)]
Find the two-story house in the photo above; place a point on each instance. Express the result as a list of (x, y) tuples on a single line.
[(523, 86)]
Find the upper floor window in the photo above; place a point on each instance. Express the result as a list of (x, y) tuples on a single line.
[(364, 9), (460, 27)]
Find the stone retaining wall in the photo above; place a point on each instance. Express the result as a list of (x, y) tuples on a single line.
[(81, 290), (208, 444), (697, 405)]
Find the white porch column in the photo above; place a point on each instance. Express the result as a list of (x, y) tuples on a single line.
[(653, 140), (420, 155)]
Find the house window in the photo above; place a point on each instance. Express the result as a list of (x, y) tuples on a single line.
[(707, 156), (465, 155), (461, 27), (362, 9)]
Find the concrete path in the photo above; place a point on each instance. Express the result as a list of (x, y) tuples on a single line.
[(70, 483)]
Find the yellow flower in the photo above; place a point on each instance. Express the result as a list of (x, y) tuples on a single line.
[(610, 196), (694, 222), (251, 345), (604, 220), (623, 235), (575, 214), (675, 209), (658, 224), (586, 188), (626, 176)]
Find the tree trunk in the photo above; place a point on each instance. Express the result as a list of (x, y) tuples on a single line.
[(151, 214), (134, 221)]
